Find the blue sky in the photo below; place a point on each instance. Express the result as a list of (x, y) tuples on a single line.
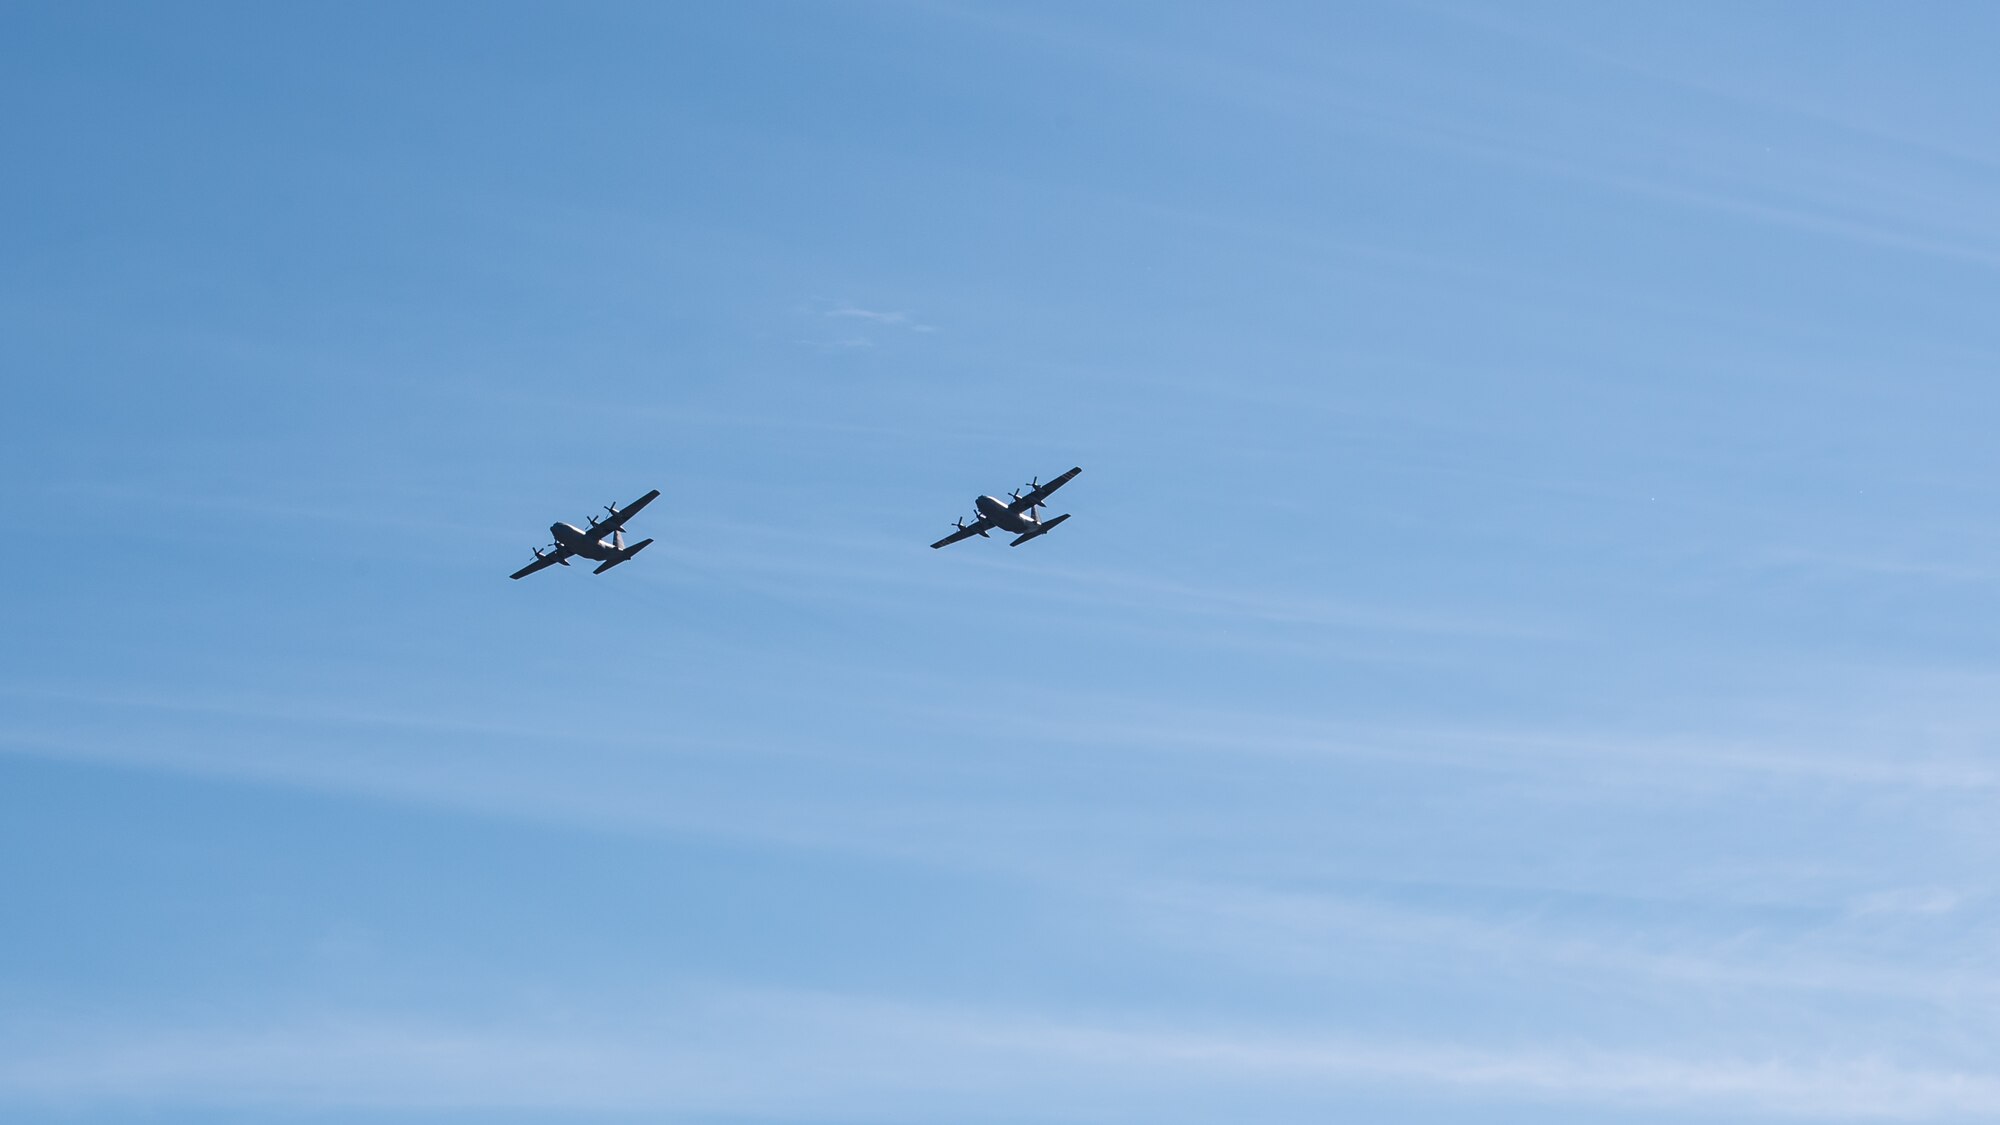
[(1524, 651)]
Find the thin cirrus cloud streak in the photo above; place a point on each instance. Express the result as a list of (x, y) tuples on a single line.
[(421, 756), (1614, 757), (1311, 935), (837, 1053), (1706, 179), (1871, 185), (1105, 592), (1554, 37), (867, 326), (599, 793), (896, 318), (1094, 849)]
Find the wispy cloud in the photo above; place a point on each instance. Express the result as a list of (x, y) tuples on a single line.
[(857, 1055), (842, 344), (888, 319), (1909, 900), (841, 326), (1614, 758), (1675, 946), (1867, 186), (1923, 742)]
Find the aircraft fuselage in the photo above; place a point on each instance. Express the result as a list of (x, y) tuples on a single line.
[(1005, 518), (579, 541)]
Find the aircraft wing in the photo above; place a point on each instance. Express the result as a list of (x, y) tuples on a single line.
[(600, 530), (968, 531), (1041, 494), (550, 559)]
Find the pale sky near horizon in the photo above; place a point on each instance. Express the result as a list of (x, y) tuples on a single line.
[(1524, 650)]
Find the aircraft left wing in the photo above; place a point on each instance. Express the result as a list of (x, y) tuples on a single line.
[(598, 531), (1043, 492), (978, 527), (550, 559)]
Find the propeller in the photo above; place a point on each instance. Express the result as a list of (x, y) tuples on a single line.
[(538, 552), (593, 521), (612, 508)]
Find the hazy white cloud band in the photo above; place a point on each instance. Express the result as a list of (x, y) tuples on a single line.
[(765, 1054)]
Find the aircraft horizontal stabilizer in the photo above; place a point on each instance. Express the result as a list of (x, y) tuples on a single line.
[(1041, 529), (624, 555)]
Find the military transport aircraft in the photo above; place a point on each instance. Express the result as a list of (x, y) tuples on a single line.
[(1017, 517), (588, 543)]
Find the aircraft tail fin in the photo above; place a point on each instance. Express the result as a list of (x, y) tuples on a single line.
[(1040, 529)]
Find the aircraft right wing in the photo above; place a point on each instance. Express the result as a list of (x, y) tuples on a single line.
[(602, 528), (1042, 492), (979, 527), (550, 559)]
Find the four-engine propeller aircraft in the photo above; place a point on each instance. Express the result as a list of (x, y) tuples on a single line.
[(589, 542), (1017, 517)]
